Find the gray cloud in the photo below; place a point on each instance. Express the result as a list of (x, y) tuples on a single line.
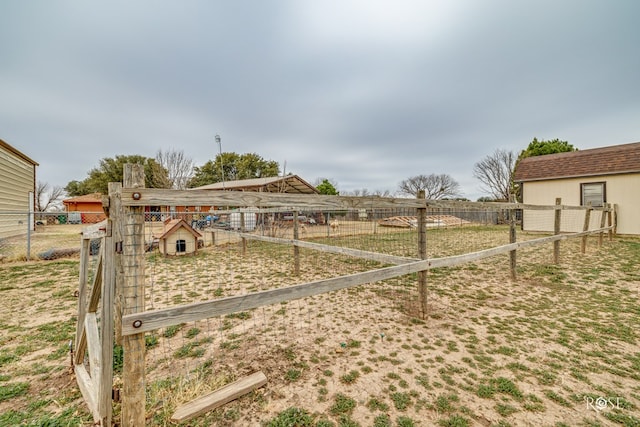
[(366, 93)]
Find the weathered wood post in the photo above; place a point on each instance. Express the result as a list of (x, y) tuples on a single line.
[(422, 253), (512, 239), (242, 230), (585, 227), (116, 221), (603, 218), (107, 310), (610, 221), (296, 248), (556, 230), (327, 222), (613, 222), (133, 375), (82, 297)]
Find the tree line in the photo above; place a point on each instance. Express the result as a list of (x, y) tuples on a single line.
[(172, 169)]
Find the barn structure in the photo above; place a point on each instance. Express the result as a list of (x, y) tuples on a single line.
[(178, 238), (17, 190), (596, 176), (291, 184)]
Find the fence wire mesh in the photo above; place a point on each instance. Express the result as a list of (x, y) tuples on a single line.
[(197, 257)]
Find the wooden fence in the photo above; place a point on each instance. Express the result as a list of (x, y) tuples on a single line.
[(117, 291)]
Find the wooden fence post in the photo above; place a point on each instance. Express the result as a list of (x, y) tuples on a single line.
[(107, 309), (585, 227), (133, 375), (422, 254), (603, 219), (556, 230), (117, 222), (512, 239), (296, 248), (243, 240), (610, 221)]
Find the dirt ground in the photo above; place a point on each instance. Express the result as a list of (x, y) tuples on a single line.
[(489, 352), (556, 347)]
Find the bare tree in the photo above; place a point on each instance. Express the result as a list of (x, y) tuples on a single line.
[(48, 197), (358, 192), (382, 193), (364, 192), (179, 168), (495, 172), (435, 186)]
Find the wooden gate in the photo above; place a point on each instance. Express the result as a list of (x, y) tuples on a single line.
[(93, 349)]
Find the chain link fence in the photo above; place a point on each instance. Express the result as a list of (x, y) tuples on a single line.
[(26, 236)]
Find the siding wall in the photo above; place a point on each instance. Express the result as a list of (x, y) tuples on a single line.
[(17, 179), (623, 190)]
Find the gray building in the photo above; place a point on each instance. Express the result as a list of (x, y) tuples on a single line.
[(17, 189)]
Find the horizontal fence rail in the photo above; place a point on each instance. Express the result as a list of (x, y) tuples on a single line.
[(151, 320), (150, 197)]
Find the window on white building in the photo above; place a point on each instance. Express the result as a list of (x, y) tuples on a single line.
[(594, 193)]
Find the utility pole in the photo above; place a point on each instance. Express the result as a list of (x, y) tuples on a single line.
[(219, 142)]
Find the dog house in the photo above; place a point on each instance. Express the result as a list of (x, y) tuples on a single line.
[(178, 238)]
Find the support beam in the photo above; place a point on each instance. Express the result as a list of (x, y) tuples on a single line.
[(80, 343), (219, 397), (88, 390)]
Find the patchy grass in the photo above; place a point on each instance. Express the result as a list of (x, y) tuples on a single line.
[(488, 351)]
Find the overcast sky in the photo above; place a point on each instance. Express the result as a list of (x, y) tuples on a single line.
[(366, 93)]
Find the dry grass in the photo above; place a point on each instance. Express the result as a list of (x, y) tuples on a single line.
[(44, 238), (490, 352)]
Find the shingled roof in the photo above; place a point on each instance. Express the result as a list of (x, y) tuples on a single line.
[(613, 160), (91, 197), (172, 225)]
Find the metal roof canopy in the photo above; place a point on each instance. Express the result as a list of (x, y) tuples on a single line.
[(291, 184)]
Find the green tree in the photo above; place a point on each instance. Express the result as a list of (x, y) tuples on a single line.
[(326, 187), (542, 147), (231, 167), (111, 170), (77, 188)]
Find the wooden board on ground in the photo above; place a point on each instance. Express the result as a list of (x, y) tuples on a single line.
[(432, 221), (219, 397)]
